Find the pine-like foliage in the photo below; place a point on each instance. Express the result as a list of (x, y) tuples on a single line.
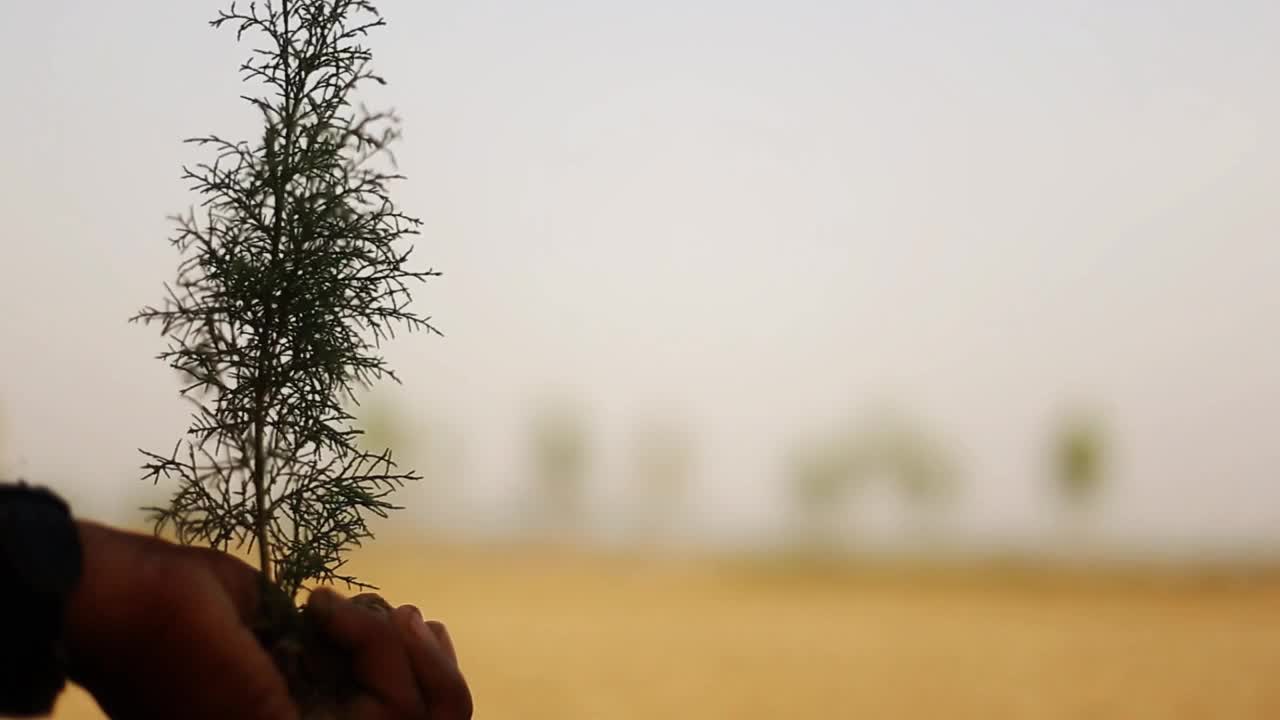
[(292, 275)]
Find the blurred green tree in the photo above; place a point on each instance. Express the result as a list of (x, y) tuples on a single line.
[(883, 446), (1078, 463), (381, 425), (820, 479), (429, 446), (662, 463), (1078, 460), (921, 469), (560, 454)]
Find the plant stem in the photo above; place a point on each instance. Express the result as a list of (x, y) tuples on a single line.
[(261, 518)]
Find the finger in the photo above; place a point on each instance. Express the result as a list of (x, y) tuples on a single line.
[(442, 635), (409, 619), (377, 652), (436, 668)]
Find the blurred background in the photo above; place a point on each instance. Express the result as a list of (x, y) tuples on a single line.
[(848, 359)]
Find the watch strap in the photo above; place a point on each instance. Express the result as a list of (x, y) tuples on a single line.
[(40, 566)]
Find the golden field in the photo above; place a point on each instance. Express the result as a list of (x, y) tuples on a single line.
[(558, 635)]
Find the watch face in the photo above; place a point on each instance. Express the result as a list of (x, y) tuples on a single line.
[(39, 542)]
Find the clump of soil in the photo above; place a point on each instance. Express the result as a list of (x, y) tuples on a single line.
[(318, 671)]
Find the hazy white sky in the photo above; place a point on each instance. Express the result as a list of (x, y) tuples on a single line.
[(759, 216)]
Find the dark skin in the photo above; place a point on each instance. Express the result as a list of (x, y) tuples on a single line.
[(158, 630)]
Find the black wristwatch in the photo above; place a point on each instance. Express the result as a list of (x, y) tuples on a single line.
[(40, 565)]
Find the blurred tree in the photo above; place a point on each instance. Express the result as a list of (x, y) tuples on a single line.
[(560, 456), (381, 425), (882, 447), (439, 454), (429, 447), (662, 468), (820, 479), (1078, 455), (927, 474), (920, 468), (1078, 460)]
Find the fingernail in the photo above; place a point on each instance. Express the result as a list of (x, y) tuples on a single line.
[(321, 602)]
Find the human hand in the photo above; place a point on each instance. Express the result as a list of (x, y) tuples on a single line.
[(428, 686), (157, 630)]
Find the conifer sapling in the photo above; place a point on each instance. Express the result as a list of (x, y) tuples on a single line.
[(293, 272)]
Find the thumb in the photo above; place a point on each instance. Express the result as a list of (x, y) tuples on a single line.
[(159, 631), (212, 673), (229, 668)]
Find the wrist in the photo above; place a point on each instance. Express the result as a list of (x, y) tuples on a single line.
[(80, 605), (99, 613)]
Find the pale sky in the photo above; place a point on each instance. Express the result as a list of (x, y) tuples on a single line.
[(759, 217)]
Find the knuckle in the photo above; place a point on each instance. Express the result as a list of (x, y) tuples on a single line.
[(380, 633)]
